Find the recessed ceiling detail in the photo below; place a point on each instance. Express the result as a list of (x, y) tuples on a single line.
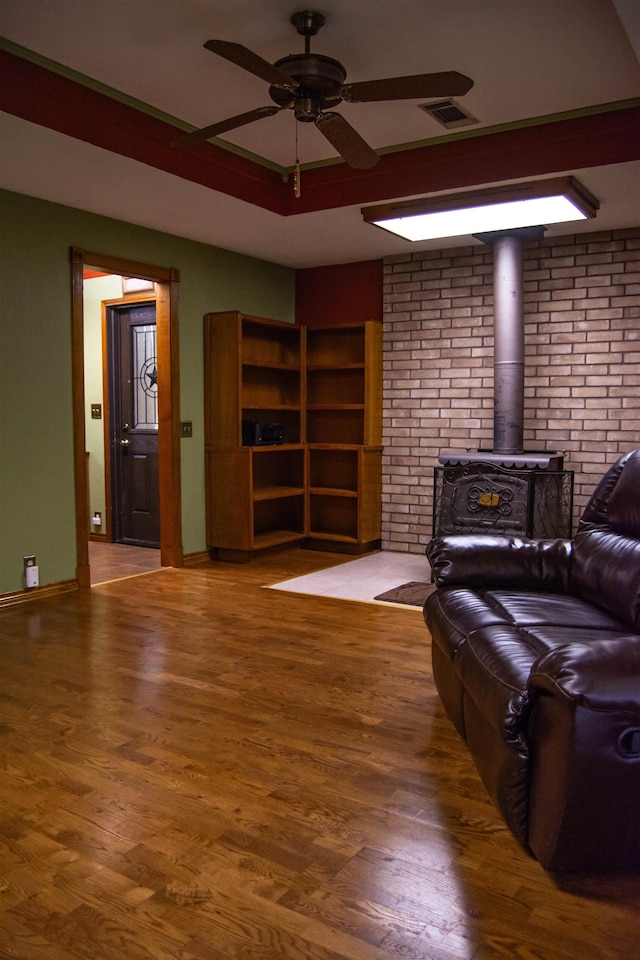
[(100, 118)]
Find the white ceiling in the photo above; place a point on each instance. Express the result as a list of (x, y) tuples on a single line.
[(528, 59)]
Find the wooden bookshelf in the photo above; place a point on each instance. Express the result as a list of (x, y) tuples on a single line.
[(322, 484), (344, 427)]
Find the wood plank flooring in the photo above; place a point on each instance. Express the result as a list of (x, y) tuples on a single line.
[(196, 768)]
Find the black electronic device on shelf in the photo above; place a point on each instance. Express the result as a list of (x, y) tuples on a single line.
[(258, 433)]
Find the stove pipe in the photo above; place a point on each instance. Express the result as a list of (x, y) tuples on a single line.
[(508, 350)]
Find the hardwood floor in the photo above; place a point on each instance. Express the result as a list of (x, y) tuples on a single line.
[(198, 768)]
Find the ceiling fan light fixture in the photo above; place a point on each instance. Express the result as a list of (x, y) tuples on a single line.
[(306, 109), (538, 202)]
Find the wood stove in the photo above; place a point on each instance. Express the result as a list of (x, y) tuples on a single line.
[(506, 489), (528, 495)]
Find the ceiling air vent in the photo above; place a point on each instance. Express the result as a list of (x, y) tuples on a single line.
[(449, 113)]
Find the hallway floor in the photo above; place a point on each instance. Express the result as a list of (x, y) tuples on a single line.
[(115, 561)]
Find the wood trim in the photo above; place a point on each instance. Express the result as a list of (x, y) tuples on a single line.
[(167, 279), (193, 559), (39, 593), (169, 424), (127, 268), (81, 483)]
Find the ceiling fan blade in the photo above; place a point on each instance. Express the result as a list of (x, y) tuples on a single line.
[(347, 141), (245, 58), (215, 129), (447, 84)]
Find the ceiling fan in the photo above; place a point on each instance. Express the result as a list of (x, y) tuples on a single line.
[(311, 85)]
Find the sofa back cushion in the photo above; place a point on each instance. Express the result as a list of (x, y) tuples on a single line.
[(615, 501), (605, 566), (623, 506), (606, 571)]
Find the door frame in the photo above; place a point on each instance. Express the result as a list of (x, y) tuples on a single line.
[(167, 281)]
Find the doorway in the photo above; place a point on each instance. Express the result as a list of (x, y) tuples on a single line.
[(166, 385)]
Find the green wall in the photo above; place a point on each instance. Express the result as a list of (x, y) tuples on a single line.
[(37, 509)]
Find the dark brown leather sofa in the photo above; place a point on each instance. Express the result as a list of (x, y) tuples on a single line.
[(536, 657)]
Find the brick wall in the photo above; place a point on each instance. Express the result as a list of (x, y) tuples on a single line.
[(582, 364)]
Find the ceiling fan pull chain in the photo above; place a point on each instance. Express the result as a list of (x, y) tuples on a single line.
[(296, 172)]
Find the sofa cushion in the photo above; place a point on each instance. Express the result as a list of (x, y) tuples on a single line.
[(623, 507), (595, 512), (605, 570), (535, 609), (454, 613)]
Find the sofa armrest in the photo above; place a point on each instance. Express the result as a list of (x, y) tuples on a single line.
[(512, 563), (604, 675), (584, 734)]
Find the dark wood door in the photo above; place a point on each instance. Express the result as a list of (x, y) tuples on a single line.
[(133, 378)]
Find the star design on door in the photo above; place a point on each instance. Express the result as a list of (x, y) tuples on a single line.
[(149, 377)]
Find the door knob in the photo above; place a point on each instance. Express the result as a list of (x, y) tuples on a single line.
[(124, 443)]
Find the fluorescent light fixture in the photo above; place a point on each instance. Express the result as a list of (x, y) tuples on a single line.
[(536, 203)]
